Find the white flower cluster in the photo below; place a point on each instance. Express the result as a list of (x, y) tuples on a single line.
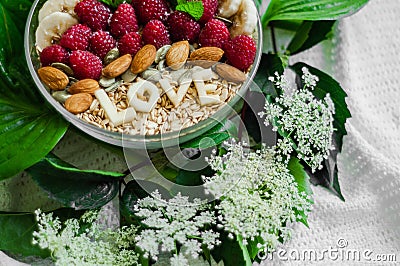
[(175, 223), (70, 245), (258, 195), (305, 121)]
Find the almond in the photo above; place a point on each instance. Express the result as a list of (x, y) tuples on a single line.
[(229, 73), (177, 55), (53, 78), (118, 66), (143, 58), (84, 86), (207, 53), (78, 103)]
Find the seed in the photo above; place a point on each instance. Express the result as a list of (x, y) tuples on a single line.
[(111, 56), (64, 68), (106, 82), (61, 96), (160, 55)]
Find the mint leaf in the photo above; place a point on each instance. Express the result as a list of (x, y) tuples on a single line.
[(195, 8)]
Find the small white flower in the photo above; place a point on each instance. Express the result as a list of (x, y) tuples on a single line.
[(305, 119)]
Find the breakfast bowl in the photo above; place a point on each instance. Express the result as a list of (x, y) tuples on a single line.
[(115, 108)]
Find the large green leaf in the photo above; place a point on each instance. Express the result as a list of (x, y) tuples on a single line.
[(309, 34), (79, 189), (16, 232), (28, 128), (310, 9), (303, 184)]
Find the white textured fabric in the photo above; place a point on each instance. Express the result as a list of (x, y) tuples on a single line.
[(365, 59)]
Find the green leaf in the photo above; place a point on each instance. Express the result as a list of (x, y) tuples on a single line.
[(28, 128), (213, 137), (79, 189), (16, 232), (328, 176), (193, 178), (310, 9), (270, 63), (309, 34), (229, 251), (245, 252), (133, 191), (303, 184), (193, 8)]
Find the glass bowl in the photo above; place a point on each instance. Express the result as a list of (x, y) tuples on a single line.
[(126, 140)]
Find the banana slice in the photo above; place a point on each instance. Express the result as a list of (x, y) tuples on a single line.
[(52, 6), (245, 20), (52, 27), (228, 8)]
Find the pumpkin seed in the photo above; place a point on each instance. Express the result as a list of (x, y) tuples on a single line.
[(72, 80), (64, 68), (151, 74), (111, 56), (105, 82), (61, 96), (114, 86), (161, 65), (128, 76), (160, 55)]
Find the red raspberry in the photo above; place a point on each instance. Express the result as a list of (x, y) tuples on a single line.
[(101, 43), (210, 8), (215, 33), (155, 33), (93, 13), (85, 65), (183, 27), (76, 37), (52, 54), (123, 21), (151, 9), (130, 43), (240, 51)]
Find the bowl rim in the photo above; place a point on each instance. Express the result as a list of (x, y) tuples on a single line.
[(127, 140)]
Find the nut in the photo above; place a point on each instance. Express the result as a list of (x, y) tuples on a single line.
[(229, 73), (177, 55), (143, 58), (207, 53), (84, 86), (118, 66), (78, 103), (53, 78)]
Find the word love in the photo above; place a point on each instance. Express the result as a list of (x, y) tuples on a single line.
[(143, 95)]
